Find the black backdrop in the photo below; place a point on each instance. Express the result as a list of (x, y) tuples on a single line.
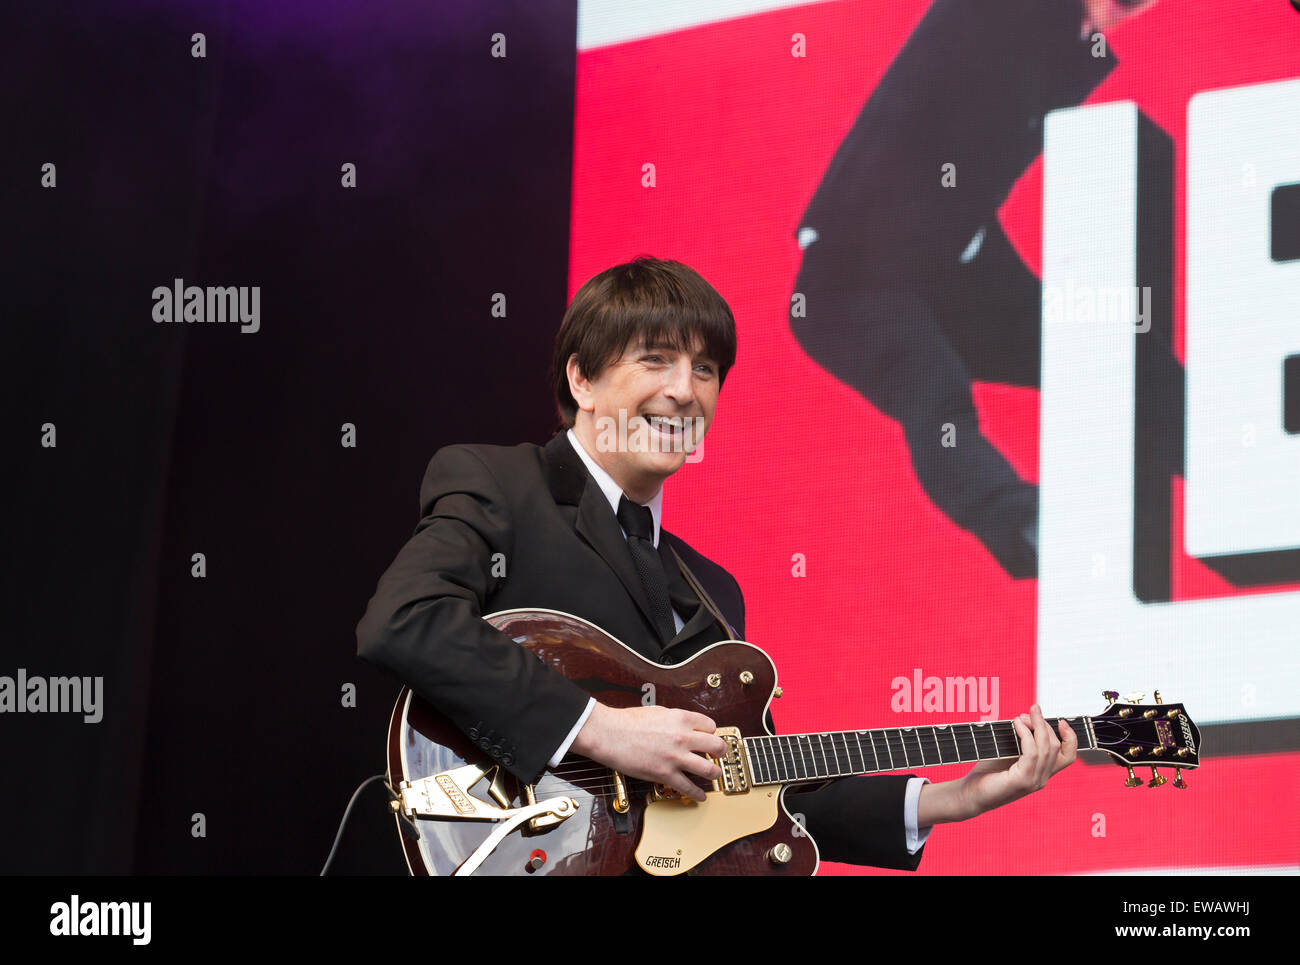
[(223, 695)]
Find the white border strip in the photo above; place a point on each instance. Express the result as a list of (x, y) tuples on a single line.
[(605, 22), (1238, 871)]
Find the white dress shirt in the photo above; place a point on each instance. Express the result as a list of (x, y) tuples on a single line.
[(915, 836)]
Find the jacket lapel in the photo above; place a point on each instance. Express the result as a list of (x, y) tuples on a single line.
[(572, 485), (693, 611)]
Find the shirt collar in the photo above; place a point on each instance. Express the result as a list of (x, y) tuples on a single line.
[(611, 489)]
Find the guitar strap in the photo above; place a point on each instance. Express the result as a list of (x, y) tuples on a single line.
[(707, 600)]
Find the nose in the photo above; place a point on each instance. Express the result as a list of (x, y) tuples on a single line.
[(679, 381)]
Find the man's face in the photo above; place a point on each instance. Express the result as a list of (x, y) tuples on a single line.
[(643, 414)]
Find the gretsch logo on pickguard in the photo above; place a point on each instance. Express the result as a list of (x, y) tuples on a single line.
[(458, 798), (661, 861)]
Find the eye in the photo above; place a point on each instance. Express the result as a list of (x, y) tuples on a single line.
[(707, 368)]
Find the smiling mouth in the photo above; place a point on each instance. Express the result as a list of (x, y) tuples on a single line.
[(669, 425), (679, 433)]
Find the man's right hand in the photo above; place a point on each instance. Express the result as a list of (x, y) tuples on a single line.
[(656, 744)]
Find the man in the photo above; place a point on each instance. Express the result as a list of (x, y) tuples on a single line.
[(912, 288), (574, 526)]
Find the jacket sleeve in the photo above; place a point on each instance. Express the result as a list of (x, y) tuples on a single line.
[(858, 820), (424, 622)]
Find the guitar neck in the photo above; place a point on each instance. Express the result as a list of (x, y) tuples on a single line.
[(794, 758)]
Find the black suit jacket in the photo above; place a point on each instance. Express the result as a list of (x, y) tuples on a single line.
[(527, 526)]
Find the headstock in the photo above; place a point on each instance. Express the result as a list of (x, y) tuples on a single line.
[(1147, 734)]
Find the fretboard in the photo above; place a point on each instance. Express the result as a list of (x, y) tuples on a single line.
[(792, 758)]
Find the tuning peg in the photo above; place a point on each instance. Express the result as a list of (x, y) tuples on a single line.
[(1157, 696), (1178, 779), (1134, 698), (1133, 779), (1156, 779), (1110, 695)]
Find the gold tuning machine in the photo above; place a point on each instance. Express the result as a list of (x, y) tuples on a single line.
[(1156, 779), (1178, 779), (1111, 696), (1157, 693), (1133, 779)]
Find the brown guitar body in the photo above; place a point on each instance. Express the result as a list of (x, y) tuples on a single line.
[(598, 840)]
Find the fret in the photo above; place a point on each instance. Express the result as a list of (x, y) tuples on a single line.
[(925, 743), (917, 735), (884, 735), (1080, 727), (920, 746), (848, 754), (821, 746), (839, 768), (916, 747), (874, 756), (964, 742), (777, 745), (756, 762), (857, 736), (952, 736), (997, 752), (771, 762), (803, 758), (934, 733), (854, 768), (902, 745)]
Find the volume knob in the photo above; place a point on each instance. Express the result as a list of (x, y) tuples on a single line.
[(780, 854)]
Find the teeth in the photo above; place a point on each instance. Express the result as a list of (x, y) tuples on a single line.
[(673, 423)]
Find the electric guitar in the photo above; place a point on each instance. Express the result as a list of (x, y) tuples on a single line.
[(582, 818)]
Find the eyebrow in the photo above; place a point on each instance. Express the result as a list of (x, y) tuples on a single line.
[(661, 346)]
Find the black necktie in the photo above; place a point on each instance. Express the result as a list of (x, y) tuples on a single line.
[(639, 526)]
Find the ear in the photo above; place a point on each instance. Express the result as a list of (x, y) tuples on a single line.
[(579, 386)]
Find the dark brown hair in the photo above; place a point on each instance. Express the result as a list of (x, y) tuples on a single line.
[(662, 302)]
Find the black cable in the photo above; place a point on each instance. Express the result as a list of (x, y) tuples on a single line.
[(355, 794)]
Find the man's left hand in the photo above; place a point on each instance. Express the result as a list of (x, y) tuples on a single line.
[(991, 784)]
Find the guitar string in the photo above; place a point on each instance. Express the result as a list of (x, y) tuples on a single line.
[(593, 778), (912, 744), (599, 788), (789, 756), (593, 782)]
